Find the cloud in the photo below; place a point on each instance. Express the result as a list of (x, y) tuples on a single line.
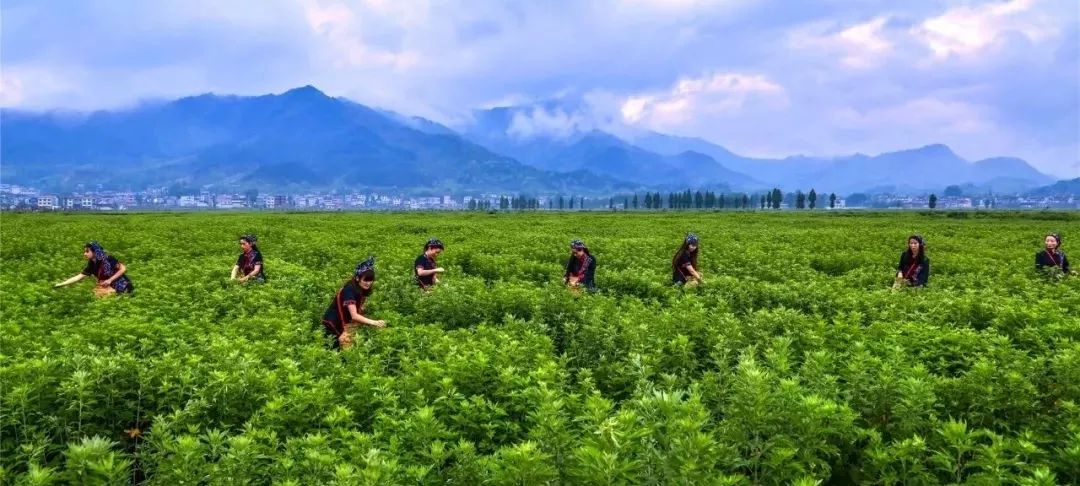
[(11, 91), (543, 122), (967, 30), (860, 46), (343, 30), (716, 94)]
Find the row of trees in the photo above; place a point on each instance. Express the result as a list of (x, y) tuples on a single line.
[(710, 200), (674, 200)]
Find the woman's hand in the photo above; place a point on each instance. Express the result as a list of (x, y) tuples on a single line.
[(345, 340), (379, 323), (439, 270)]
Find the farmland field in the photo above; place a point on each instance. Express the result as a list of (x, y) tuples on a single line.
[(793, 363)]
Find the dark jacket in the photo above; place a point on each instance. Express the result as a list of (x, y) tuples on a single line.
[(679, 273), (425, 263), (337, 314), (1044, 259), (247, 261), (584, 269), (918, 273), (105, 270)]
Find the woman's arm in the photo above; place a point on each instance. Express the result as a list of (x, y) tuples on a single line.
[(423, 273), (119, 273), (254, 272), (70, 281), (235, 270), (357, 317)]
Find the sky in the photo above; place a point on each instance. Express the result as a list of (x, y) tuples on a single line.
[(763, 78)]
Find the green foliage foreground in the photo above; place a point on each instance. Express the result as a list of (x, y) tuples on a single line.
[(794, 363)]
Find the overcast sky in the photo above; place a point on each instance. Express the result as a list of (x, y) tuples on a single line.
[(760, 77)]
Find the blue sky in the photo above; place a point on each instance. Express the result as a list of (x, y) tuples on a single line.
[(761, 77)]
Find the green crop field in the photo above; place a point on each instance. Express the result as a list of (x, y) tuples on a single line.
[(794, 362)]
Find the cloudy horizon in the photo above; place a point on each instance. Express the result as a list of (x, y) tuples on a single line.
[(761, 78)]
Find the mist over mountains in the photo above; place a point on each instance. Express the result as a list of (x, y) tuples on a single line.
[(304, 139)]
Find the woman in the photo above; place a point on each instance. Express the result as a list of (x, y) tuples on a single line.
[(581, 268), (249, 265), (684, 265), (424, 269), (914, 267), (346, 310), (1052, 256), (111, 275)]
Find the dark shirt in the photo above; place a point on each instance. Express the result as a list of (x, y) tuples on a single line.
[(247, 261), (679, 272), (337, 315), (1045, 259), (583, 268), (425, 263), (95, 269), (915, 272)]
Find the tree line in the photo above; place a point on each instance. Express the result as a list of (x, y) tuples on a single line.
[(683, 200)]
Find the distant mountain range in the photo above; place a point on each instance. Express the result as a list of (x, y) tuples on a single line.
[(1069, 187), (656, 158), (300, 139), (303, 139)]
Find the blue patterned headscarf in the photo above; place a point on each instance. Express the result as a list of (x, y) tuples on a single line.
[(366, 267), (691, 239), (433, 243), (578, 245)]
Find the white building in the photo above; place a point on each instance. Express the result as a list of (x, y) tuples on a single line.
[(47, 202)]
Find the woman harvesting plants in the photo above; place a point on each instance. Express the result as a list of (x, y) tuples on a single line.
[(249, 265), (914, 267), (685, 263), (111, 275), (1052, 256), (424, 269), (347, 307), (581, 267)]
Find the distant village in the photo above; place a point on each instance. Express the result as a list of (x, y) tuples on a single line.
[(22, 198)]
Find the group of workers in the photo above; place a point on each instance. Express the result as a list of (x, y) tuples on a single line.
[(346, 310)]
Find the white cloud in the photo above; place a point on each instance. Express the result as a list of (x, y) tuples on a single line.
[(859, 46), (967, 30), (342, 27), (541, 122), (717, 94), (11, 91)]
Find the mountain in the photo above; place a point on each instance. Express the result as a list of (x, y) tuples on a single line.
[(927, 168), (1070, 187), (549, 137), (300, 139), (769, 172), (303, 139)]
